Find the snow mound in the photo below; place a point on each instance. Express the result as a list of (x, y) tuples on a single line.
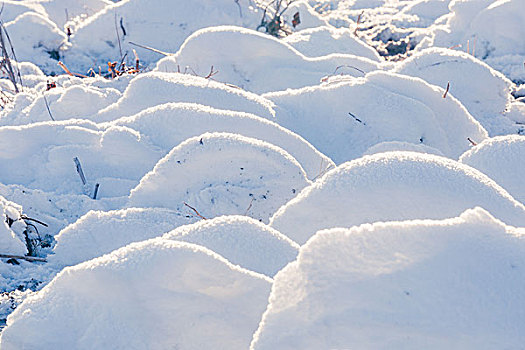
[(401, 146), (501, 158), (151, 89), (254, 61), (40, 156), (36, 39), (344, 118), (98, 233), (393, 186), (157, 23), (11, 9), (421, 13), (242, 241), (67, 12), (169, 124), (155, 294), (482, 90), (420, 284), (11, 228), (222, 174), (322, 41)]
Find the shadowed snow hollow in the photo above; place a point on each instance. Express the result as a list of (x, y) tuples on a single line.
[(242, 240), (501, 158), (151, 89), (156, 294), (255, 61), (393, 186), (169, 124), (222, 174), (345, 117), (483, 91), (98, 233), (402, 285)]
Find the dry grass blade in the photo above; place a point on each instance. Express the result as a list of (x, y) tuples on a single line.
[(195, 211)]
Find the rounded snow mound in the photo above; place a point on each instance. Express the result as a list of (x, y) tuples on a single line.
[(393, 186), (242, 241), (12, 238), (255, 61), (483, 91), (151, 89), (157, 23), (157, 294), (170, 124), (323, 41), (344, 118), (501, 158), (98, 233), (40, 156), (427, 279), (222, 174)]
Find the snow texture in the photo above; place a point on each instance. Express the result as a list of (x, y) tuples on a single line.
[(98, 233), (501, 158), (11, 235), (152, 294), (344, 117), (242, 241), (402, 285), (222, 174), (393, 186)]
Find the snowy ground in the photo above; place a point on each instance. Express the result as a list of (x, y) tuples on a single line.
[(213, 174)]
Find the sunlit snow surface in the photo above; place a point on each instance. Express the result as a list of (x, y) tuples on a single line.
[(355, 182)]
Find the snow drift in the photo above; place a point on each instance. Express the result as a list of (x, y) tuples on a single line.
[(222, 174), (169, 124), (98, 233), (501, 158), (393, 186), (345, 117), (402, 285), (254, 61), (242, 241), (152, 294)]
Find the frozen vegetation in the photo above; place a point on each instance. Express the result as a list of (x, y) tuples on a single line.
[(262, 174)]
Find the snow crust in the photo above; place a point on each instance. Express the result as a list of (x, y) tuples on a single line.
[(401, 285), (393, 186), (11, 236)]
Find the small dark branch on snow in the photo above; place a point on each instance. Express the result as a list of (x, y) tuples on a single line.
[(240, 9), (96, 191), (118, 37), (357, 119), (471, 141), (211, 73), (47, 106), (137, 60), (25, 257), (24, 217), (122, 27), (249, 207), (446, 91), (358, 22), (195, 210), (79, 170)]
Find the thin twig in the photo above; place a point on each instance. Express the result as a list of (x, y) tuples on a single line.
[(357, 119), (471, 141), (24, 257), (25, 217), (118, 37), (195, 210), (249, 207), (446, 91), (47, 106), (151, 49)]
